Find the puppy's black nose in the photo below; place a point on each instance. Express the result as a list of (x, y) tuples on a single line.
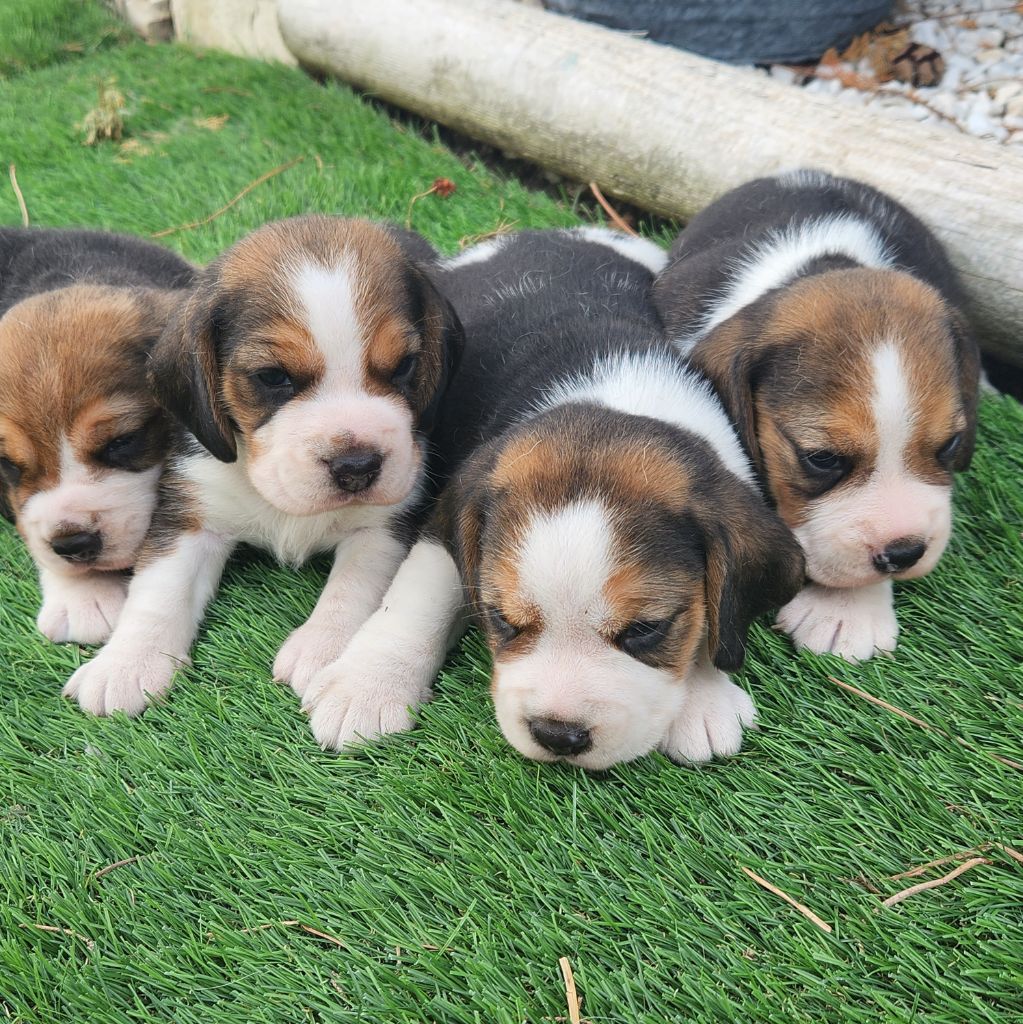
[(899, 555), (78, 547), (355, 471), (562, 738)]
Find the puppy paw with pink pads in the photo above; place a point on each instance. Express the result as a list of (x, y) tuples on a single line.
[(711, 722), (121, 679), (852, 622), (82, 611)]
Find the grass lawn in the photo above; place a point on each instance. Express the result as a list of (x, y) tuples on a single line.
[(438, 876)]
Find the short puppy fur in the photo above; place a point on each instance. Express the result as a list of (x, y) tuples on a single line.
[(831, 325), (82, 439), (305, 368), (601, 523)]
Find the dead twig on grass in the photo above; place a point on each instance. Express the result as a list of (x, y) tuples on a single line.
[(59, 930), (571, 995), (12, 171), (802, 908), (504, 227), (296, 924), (227, 206), (117, 864), (974, 851), (934, 882), (924, 725), (442, 187), (616, 217)]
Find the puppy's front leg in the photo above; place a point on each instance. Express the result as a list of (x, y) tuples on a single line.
[(364, 565), (154, 636), (852, 622), (712, 718), (80, 609), (387, 670)]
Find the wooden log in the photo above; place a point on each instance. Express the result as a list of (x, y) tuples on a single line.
[(151, 19), (245, 27), (663, 129)]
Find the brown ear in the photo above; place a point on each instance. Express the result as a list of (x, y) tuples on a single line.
[(6, 509), (968, 364), (442, 339), (733, 358), (184, 369), (754, 564), (460, 516), (156, 306)]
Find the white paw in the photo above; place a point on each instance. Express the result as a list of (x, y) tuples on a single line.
[(82, 610), (121, 679), (310, 648), (711, 721), (852, 622), (368, 692)]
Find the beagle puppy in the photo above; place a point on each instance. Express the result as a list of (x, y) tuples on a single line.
[(305, 368), (82, 440), (601, 523), (830, 322)]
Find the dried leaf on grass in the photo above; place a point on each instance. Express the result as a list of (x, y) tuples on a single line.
[(212, 124), (106, 119), (441, 187)]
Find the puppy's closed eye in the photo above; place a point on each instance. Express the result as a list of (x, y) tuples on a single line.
[(10, 473), (824, 468), (642, 638), (121, 451), (405, 371), (949, 450), (504, 630)]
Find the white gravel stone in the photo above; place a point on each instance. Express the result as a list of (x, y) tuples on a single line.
[(981, 91)]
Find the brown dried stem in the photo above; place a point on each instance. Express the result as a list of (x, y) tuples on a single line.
[(802, 908)]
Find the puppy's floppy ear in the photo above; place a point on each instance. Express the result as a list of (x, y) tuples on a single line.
[(460, 517), (968, 364), (413, 245), (442, 339), (734, 359), (6, 511), (156, 307), (184, 369), (754, 564)]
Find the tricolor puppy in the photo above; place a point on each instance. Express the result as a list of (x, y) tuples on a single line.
[(305, 367), (82, 440), (602, 519), (830, 322)]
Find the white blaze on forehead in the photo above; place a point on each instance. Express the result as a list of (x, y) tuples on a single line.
[(328, 298), (565, 559), (72, 470), (893, 411)]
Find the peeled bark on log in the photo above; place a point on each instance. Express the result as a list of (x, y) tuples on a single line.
[(245, 27), (663, 129)]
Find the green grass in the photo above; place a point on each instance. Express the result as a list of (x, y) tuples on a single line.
[(452, 873), (34, 33)]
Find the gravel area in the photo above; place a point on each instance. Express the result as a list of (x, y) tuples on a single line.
[(979, 93)]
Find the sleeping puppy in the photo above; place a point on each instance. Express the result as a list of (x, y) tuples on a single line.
[(830, 323), (601, 517), (82, 440), (306, 367)]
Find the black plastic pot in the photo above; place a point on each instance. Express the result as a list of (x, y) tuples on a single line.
[(739, 31)]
